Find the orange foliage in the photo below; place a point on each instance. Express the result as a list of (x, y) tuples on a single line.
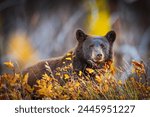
[(95, 84)]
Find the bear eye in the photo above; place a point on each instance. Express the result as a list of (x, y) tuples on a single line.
[(102, 45), (91, 46)]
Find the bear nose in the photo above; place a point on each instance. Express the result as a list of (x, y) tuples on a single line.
[(99, 55)]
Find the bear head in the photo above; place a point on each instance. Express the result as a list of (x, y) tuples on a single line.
[(94, 49)]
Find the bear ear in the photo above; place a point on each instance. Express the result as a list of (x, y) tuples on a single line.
[(80, 35), (111, 36)]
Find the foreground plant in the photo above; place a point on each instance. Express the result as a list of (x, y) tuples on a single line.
[(92, 85)]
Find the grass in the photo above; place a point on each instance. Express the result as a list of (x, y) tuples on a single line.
[(94, 84)]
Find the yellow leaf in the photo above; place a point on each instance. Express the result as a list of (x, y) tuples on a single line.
[(105, 81), (120, 82), (17, 75), (57, 74), (98, 79), (70, 65), (38, 82), (25, 79), (9, 64), (77, 84), (49, 87), (80, 73), (105, 88), (68, 58), (46, 77), (89, 70), (68, 54), (28, 88), (66, 76)]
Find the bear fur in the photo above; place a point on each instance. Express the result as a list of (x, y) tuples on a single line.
[(91, 52)]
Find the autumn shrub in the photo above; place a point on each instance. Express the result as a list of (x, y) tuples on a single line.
[(94, 84)]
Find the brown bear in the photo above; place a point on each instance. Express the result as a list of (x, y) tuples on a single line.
[(91, 52)]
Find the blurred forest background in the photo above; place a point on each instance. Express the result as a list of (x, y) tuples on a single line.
[(31, 30)]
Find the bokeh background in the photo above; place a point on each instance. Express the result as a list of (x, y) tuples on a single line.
[(32, 30)]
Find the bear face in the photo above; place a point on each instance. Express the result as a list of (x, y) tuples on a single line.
[(94, 50)]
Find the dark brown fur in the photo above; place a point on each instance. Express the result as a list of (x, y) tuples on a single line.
[(36, 71)]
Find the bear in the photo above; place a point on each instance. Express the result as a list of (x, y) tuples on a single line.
[(91, 52)]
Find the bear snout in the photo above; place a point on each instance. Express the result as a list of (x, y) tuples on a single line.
[(99, 56)]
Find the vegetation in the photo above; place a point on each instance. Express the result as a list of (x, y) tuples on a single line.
[(94, 84)]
